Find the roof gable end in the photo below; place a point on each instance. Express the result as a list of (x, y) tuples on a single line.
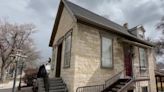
[(57, 20)]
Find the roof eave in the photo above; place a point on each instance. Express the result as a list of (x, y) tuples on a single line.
[(56, 23), (57, 20)]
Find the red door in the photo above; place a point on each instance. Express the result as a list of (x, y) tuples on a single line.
[(128, 60)]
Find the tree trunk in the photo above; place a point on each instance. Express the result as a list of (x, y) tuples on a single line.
[(3, 74)]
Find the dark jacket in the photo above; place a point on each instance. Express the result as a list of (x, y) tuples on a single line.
[(42, 72)]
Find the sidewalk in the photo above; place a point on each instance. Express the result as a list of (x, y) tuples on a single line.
[(26, 89), (7, 87)]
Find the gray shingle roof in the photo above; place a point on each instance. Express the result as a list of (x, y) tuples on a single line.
[(86, 15), (93, 19)]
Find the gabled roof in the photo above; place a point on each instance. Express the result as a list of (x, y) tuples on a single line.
[(84, 15), (134, 29)]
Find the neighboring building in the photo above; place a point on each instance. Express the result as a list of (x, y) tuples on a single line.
[(159, 75), (94, 54)]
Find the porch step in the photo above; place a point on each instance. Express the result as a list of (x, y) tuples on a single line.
[(55, 85), (115, 87)]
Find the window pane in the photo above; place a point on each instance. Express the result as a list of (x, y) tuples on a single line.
[(106, 52), (68, 44), (67, 54), (143, 61), (144, 89)]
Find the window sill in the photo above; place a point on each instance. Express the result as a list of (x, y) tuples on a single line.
[(66, 67), (107, 67)]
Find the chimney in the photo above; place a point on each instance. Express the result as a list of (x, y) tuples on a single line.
[(125, 25)]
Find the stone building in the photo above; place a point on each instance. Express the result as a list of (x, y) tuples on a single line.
[(94, 54)]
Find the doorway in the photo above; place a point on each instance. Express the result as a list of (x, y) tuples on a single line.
[(128, 60), (59, 58)]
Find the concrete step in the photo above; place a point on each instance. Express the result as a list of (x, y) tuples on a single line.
[(115, 89), (41, 89), (55, 79), (57, 87), (56, 84), (118, 86), (59, 90), (122, 83), (52, 81)]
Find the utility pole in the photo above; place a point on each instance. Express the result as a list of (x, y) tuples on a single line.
[(17, 57), (22, 66), (15, 75)]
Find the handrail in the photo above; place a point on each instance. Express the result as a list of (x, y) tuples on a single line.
[(99, 88), (93, 88), (124, 88), (113, 79)]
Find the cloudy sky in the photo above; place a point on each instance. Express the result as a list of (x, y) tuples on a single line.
[(42, 13)]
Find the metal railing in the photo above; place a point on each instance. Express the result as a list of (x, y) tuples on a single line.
[(93, 88), (123, 89), (100, 88), (113, 79)]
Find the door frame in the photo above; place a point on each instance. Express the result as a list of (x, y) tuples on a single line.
[(59, 59)]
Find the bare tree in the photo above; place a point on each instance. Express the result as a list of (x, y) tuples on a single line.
[(160, 44), (160, 25), (16, 36)]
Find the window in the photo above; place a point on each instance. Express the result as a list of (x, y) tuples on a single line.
[(143, 58), (67, 53), (106, 52), (144, 89)]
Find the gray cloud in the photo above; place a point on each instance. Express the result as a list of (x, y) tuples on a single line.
[(142, 13), (43, 8), (42, 13), (145, 12)]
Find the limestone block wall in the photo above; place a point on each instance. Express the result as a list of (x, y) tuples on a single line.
[(85, 66), (88, 69), (66, 23), (152, 64), (135, 62), (140, 84)]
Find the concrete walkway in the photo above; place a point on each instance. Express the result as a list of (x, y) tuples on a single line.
[(26, 89), (6, 90), (7, 87)]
